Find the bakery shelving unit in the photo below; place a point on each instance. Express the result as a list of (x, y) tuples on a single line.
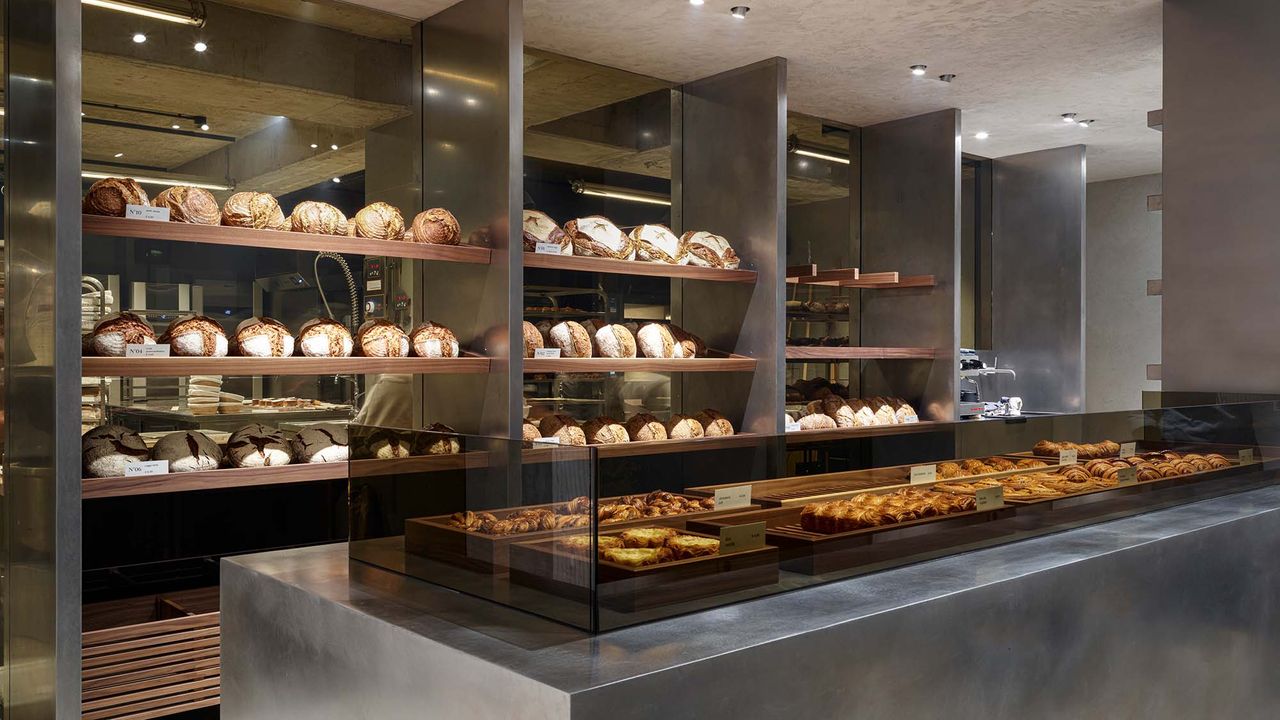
[(248, 366), (636, 267)]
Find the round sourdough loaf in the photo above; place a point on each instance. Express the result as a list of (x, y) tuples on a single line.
[(615, 341), (656, 243), (318, 218), (572, 338), (106, 449), (188, 451), (563, 427), (656, 341), (263, 337), (260, 211), (540, 228), (115, 332), (380, 337), (379, 221), (532, 339), (323, 443), (596, 236), (436, 226), (195, 336), (189, 205), (713, 423), (109, 196), (605, 431), (256, 445), (430, 340), (683, 427), (325, 337), (644, 427)]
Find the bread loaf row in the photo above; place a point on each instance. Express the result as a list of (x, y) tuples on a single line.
[(202, 336), (107, 449), (377, 221), (641, 427), (600, 339), (596, 236), (836, 412)]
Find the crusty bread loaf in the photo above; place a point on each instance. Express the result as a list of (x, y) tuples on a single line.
[(106, 449), (256, 445), (713, 423), (817, 421), (325, 337), (837, 409), (436, 226), (263, 337), (439, 439), (683, 427), (529, 431), (114, 333), (379, 337), (688, 345), (656, 243), (563, 427), (540, 228), (709, 250), (614, 341), (188, 451), (379, 221), (318, 218), (195, 336), (656, 341), (322, 443), (532, 339), (604, 431), (643, 426), (260, 211), (110, 196), (430, 340), (596, 236), (189, 205), (572, 338)]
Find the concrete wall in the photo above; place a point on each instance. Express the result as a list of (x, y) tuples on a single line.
[(1122, 332)]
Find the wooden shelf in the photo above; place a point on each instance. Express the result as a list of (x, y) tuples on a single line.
[(909, 281), (836, 354), (801, 437), (730, 363), (418, 464), (635, 267), (640, 448), (832, 278), (277, 240), (247, 366), (93, 488)]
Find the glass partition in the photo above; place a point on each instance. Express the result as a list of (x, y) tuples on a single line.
[(597, 538)]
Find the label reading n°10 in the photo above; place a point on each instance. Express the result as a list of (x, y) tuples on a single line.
[(733, 497), (547, 353), (1128, 449), (1246, 456), (1067, 457), (146, 212), (548, 248), (137, 350), (924, 474), (1127, 476), (990, 498), (146, 467), (736, 538)]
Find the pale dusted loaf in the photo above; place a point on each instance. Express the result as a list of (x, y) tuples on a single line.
[(572, 338), (614, 341)]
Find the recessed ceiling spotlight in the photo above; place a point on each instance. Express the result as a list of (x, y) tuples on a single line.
[(739, 11), (472, 101), (119, 155), (314, 146), (1086, 123), (176, 126), (947, 77), (200, 47), (204, 127), (432, 91), (696, 2), (1068, 117), (982, 135), (918, 70), (139, 38), (337, 180), (333, 147)]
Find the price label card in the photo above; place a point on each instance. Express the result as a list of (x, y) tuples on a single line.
[(792, 425), (1128, 449), (924, 474), (737, 538), (1246, 456), (146, 212), (143, 350), (1127, 476), (146, 467), (910, 419), (373, 286), (990, 498), (733, 497), (1067, 457), (548, 353), (553, 440), (548, 248)]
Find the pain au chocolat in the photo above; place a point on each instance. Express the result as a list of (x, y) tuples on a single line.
[(379, 221), (540, 228), (189, 205), (436, 226), (260, 211), (110, 196)]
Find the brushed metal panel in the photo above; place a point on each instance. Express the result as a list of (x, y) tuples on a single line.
[(732, 147), (1221, 172), (1037, 260), (911, 224), (472, 131), (42, 360)]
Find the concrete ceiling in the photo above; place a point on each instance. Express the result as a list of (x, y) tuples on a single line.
[(1020, 64)]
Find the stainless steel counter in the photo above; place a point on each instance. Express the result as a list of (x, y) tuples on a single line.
[(1171, 614)]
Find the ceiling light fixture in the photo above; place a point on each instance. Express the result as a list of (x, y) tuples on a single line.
[(337, 179), (200, 47), (982, 135), (472, 101), (739, 11), (204, 127), (314, 146), (139, 38), (821, 156), (167, 182), (615, 193), (176, 126), (155, 12), (1086, 123), (918, 70), (1068, 117), (432, 91), (333, 147), (947, 77), (118, 155), (696, 2)]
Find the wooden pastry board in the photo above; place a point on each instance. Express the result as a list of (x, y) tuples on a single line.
[(1080, 498), (539, 564), (435, 538)]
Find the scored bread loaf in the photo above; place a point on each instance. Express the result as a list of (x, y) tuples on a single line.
[(322, 443), (436, 226), (260, 211), (604, 431), (430, 340), (709, 250), (596, 236), (656, 341), (564, 428), (540, 228), (106, 449), (532, 339), (325, 337), (817, 421), (188, 451), (114, 333), (256, 445), (438, 439), (379, 221), (614, 341), (643, 426), (387, 444), (688, 345), (263, 337), (318, 218), (713, 423), (656, 243), (683, 427), (837, 409), (379, 337), (572, 338), (529, 431), (189, 205), (111, 196), (195, 336)]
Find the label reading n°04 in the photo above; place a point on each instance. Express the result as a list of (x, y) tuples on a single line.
[(1128, 449), (146, 467), (924, 474), (989, 498), (140, 350), (737, 538), (733, 497), (146, 212), (1067, 457)]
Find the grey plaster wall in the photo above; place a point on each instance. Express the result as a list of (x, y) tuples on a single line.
[(1122, 328)]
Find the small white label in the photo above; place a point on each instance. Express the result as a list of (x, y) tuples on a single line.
[(733, 497), (737, 538), (373, 286), (924, 474), (146, 467), (1067, 457), (1128, 449), (1246, 456), (137, 350), (547, 353), (989, 498), (792, 425), (1127, 476), (552, 440), (146, 212), (910, 419), (548, 248)]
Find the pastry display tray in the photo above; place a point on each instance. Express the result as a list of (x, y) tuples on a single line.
[(1072, 499), (539, 564), (433, 537)]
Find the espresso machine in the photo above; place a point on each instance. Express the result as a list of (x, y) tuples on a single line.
[(971, 405)]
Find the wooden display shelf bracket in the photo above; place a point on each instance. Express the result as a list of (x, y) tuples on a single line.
[(833, 278), (910, 281), (726, 363), (279, 240), (635, 267), (251, 366), (837, 354), (93, 488)]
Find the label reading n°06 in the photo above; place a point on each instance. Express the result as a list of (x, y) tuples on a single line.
[(736, 538), (1128, 449), (138, 350), (548, 353), (733, 497), (146, 467), (924, 474), (1127, 476), (1067, 457), (989, 498), (146, 212)]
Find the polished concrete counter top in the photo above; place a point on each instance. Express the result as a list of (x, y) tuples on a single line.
[(1095, 568)]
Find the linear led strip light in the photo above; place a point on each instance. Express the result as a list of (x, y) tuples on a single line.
[(154, 11), (608, 191), (167, 182), (821, 155)]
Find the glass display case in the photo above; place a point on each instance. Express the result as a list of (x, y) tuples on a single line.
[(599, 538)]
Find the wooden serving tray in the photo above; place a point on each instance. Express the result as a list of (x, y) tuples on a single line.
[(435, 538), (540, 565), (812, 553), (1081, 498)]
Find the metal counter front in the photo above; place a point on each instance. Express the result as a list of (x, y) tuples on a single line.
[(1076, 624)]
